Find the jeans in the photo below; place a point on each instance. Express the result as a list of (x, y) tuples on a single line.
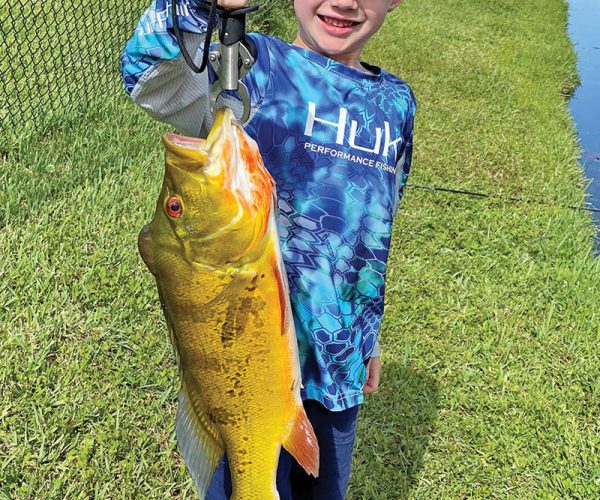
[(335, 433)]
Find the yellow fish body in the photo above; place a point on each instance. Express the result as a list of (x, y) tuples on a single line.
[(214, 250)]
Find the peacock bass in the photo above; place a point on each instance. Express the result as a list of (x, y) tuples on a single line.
[(214, 250)]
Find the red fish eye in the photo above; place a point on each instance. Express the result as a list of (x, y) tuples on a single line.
[(174, 207)]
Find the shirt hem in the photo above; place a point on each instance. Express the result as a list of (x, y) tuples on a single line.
[(340, 402)]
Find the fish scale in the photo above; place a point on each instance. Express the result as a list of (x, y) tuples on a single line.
[(214, 250)]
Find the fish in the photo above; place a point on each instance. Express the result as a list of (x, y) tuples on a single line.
[(213, 247)]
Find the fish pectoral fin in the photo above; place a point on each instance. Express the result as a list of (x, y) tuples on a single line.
[(199, 442), (302, 444)]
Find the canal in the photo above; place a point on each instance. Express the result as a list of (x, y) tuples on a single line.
[(584, 30)]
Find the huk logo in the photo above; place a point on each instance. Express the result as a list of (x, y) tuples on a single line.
[(340, 127)]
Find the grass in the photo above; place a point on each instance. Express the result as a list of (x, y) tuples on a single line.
[(491, 367)]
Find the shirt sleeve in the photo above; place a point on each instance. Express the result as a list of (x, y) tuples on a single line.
[(159, 80), (403, 165), (155, 74)]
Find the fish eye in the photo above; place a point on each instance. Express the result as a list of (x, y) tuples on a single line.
[(174, 207)]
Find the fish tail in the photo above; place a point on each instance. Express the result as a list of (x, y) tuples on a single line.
[(199, 442), (302, 444)]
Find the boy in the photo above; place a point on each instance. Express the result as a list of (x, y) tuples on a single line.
[(336, 135)]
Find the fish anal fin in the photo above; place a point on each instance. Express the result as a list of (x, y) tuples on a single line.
[(199, 442), (302, 444)]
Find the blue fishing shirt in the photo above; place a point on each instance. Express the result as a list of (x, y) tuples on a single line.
[(338, 142)]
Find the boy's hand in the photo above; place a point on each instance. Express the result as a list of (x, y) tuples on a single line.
[(373, 372), (232, 4)]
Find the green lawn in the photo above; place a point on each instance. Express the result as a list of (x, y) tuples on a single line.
[(491, 378)]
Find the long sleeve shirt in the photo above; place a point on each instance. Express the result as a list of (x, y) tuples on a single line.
[(338, 142)]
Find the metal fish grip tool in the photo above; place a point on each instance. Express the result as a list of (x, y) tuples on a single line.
[(233, 56)]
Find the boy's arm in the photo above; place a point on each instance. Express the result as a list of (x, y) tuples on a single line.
[(373, 369), (373, 374), (155, 74), (405, 161)]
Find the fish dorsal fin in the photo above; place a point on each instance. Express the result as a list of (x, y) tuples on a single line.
[(302, 444), (199, 442)]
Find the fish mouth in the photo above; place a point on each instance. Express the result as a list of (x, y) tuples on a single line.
[(193, 153), (223, 125), (188, 153), (184, 141)]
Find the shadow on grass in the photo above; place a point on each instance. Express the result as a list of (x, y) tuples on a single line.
[(394, 432)]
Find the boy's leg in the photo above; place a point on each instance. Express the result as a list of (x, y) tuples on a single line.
[(220, 486), (335, 433)]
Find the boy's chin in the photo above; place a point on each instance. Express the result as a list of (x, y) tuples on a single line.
[(342, 58), (337, 51), (341, 50)]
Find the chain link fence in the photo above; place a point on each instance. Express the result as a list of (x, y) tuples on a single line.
[(56, 56)]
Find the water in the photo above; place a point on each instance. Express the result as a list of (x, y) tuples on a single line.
[(584, 29)]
